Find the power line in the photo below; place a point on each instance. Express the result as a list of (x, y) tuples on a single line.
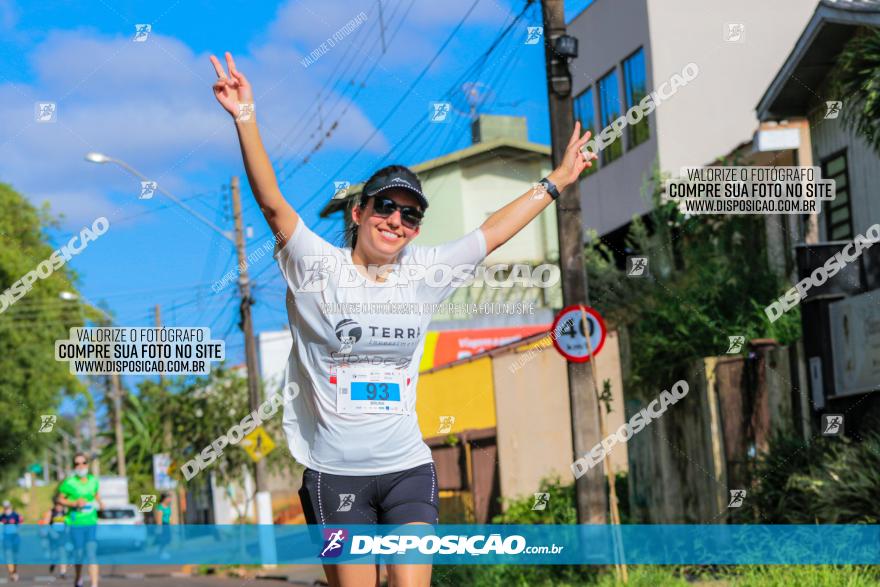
[(307, 114), (315, 197), (412, 136), (166, 206), (358, 87)]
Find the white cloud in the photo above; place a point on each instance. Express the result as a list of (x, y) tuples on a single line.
[(149, 104)]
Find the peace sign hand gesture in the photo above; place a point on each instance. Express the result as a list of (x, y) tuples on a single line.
[(575, 159), (234, 90)]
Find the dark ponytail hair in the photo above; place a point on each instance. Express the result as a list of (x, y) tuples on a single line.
[(352, 229)]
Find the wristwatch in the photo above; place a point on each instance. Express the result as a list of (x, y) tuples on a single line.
[(550, 187)]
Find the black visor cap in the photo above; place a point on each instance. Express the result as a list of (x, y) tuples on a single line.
[(399, 180)]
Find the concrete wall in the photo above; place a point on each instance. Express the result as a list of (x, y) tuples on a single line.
[(465, 392), (684, 463), (273, 349), (445, 219), (716, 112), (464, 194), (494, 182), (534, 418)]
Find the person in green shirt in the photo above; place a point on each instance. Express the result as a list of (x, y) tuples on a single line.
[(164, 509), (79, 494), (163, 519)]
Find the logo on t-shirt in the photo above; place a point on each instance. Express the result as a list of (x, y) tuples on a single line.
[(317, 272), (348, 332)]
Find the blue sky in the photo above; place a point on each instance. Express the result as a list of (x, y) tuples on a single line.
[(150, 104)]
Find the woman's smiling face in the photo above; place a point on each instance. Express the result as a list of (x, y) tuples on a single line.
[(384, 237)]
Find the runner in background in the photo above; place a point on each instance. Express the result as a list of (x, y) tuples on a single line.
[(11, 520), (79, 493), (163, 519), (56, 522)]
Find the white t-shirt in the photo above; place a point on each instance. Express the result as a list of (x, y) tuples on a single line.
[(333, 325)]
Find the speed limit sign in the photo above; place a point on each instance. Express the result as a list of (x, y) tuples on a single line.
[(569, 337)]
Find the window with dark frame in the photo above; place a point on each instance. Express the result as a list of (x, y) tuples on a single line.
[(838, 212), (635, 87), (585, 111), (609, 110)]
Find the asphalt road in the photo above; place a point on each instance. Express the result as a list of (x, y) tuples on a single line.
[(159, 576)]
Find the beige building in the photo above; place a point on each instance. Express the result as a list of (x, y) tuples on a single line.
[(466, 186)]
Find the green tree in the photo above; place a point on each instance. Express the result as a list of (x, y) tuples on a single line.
[(856, 81), (207, 407), (33, 382), (199, 410), (709, 279), (142, 436)]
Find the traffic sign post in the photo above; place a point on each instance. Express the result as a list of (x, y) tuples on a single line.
[(569, 337), (258, 444), (609, 469)]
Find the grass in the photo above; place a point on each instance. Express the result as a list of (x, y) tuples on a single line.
[(660, 576), (806, 576), (32, 503)]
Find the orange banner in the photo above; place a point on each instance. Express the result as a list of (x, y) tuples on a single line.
[(446, 346)]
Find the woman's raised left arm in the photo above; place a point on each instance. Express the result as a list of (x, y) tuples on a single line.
[(501, 226)]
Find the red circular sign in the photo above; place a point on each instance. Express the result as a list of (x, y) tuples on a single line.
[(568, 333)]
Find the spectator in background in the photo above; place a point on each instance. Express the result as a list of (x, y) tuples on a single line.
[(79, 494), (56, 520), (163, 519), (10, 520)]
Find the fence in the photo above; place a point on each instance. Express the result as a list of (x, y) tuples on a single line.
[(683, 465)]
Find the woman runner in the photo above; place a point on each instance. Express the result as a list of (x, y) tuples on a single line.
[(353, 424), (56, 520)]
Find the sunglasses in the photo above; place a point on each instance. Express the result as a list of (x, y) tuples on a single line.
[(410, 216)]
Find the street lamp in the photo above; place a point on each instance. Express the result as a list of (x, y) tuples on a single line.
[(96, 157), (101, 158), (264, 504)]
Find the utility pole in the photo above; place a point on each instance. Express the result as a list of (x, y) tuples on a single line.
[(93, 439), (166, 421), (117, 424), (263, 499), (167, 440), (67, 459), (592, 503)]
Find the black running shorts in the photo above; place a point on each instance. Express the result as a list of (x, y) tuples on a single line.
[(395, 498)]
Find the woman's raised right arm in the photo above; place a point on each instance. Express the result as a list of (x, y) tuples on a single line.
[(236, 96)]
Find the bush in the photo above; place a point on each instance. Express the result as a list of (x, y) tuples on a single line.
[(560, 507), (828, 481), (709, 277)]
